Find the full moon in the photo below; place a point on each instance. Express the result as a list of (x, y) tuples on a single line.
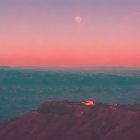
[(78, 19)]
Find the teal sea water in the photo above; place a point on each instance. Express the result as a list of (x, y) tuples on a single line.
[(22, 90)]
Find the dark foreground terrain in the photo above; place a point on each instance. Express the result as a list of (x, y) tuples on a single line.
[(75, 121)]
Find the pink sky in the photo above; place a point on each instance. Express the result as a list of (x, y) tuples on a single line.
[(70, 33)]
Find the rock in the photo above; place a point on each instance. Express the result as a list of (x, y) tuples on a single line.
[(75, 121)]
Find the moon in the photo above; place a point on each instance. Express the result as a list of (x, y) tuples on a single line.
[(78, 19)]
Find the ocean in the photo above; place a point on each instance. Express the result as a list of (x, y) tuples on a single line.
[(23, 90)]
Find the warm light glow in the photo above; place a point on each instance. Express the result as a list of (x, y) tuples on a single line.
[(88, 103)]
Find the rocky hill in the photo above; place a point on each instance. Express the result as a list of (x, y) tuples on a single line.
[(75, 121)]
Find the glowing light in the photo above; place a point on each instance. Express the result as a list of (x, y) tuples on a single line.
[(88, 103)]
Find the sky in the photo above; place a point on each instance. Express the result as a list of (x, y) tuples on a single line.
[(70, 33)]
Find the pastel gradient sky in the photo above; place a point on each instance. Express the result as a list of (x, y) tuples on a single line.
[(70, 33)]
